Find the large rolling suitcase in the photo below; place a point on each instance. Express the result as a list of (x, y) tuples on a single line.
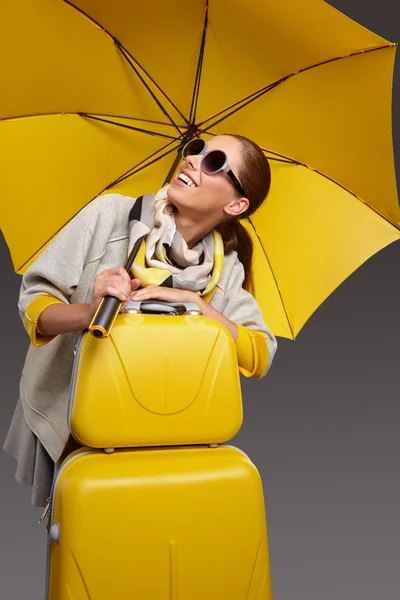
[(153, 507)]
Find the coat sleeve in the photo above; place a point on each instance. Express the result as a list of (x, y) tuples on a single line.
[(55, 274), (256, 344)]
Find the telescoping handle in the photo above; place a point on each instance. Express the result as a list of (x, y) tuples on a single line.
[(109, 306)]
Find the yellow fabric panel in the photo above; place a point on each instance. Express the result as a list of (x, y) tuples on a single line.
[(83, 72), (252, 352), (145, 29), (255, 43), (31, 318), (314, 235), (75, 161), (336, 119)]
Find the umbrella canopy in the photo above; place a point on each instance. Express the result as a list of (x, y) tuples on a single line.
[(98, 97)]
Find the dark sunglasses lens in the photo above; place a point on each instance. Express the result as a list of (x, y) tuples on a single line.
[(193, 147), (213, 161)]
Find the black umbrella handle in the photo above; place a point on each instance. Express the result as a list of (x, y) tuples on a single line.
[(109, 306), (105, 316)]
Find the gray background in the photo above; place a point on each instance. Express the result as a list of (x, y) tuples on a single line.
[(322, 428)]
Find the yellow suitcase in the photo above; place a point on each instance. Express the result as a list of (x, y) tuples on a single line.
[(163, 524), (169, 514), (156, 380)]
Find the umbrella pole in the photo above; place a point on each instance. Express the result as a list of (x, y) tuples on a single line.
[(173, 168), (109, 306), (191, 132)]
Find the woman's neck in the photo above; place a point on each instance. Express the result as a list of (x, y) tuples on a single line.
[(191, 231)]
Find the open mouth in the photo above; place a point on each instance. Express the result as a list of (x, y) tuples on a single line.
[(186, 180)]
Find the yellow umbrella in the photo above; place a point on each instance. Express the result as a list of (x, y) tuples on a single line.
[(97, 96)]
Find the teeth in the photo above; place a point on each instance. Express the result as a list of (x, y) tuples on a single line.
[(186, 180)]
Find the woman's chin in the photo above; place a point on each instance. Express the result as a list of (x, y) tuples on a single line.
[(181, 196), (174, 194)]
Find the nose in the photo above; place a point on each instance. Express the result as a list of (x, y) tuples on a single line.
[(193, 161)]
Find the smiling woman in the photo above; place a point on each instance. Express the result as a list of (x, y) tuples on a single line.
[(194, 249), (214, 204)]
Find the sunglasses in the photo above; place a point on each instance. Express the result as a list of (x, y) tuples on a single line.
[(213, 162)]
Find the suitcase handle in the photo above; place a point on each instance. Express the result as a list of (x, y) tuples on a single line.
[(160, 307)]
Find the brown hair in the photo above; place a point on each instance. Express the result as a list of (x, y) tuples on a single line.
[(255, 178)]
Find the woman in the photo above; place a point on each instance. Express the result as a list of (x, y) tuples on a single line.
[(195, 250)]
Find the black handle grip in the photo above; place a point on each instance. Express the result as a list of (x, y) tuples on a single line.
[(108, 308), (104, 316)]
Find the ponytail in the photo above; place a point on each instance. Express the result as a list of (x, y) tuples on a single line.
[(255, 179), (235, 237)]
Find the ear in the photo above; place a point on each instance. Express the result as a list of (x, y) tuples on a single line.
[(237, 207)]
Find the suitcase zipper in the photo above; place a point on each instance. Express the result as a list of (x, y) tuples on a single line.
[(46, 512), (49, 502)]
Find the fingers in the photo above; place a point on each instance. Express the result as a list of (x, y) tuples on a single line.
[(135, 284), (113, 282), (164, 293), (116, 292), (118, 289), (154, 292), (117, 271), (123, 306), (150, 291)]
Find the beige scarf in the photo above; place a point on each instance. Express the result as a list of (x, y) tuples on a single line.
[(164, 257)]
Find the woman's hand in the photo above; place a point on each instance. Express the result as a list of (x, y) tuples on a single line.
[(112, 282), (66, 318), (155, 292)]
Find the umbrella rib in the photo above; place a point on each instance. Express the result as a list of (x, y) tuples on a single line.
[(141, 165), (95, 118), (121, 178), (152, 80), (72, 113), (242, 103), (301, 164), (282, 160), (273, 275), (122, 47), (108, 116), (129, 60), (236, 106), (195, 97), (282, 157), (384, 217)]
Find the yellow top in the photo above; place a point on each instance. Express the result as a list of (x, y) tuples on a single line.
[(252, 352), (251, 346)]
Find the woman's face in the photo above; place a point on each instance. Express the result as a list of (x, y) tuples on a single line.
[(210, 197)]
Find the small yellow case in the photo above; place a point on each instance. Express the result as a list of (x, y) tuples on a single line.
[(156, 381), (161, 524)]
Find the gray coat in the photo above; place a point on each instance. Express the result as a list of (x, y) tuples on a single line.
[(96, 239)]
